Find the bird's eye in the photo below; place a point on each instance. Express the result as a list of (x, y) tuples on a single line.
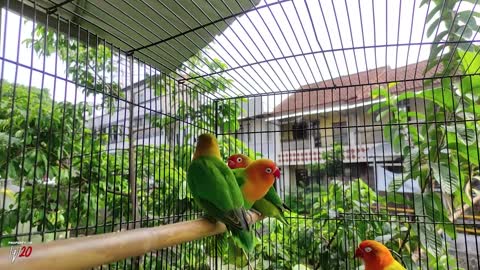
[(268, 170), (368, 249), (239, 159)]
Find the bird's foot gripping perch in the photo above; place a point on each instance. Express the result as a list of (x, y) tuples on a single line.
[(254, 211), (250, 211)]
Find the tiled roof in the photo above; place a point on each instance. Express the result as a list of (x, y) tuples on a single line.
[(355, 88)]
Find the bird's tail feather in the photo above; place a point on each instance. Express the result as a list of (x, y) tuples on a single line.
[(237, 255), (282, 219), (286, 207), (244, 239)]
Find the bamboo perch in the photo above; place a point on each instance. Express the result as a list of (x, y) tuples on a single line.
[(90, 251)]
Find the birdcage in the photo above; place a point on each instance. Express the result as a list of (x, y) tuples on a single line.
[(369, 108)]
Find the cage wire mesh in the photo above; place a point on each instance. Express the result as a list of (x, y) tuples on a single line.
[(370, 109)]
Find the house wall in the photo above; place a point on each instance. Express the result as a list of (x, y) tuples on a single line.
[(261, 136), (324, 129), (364, 128)]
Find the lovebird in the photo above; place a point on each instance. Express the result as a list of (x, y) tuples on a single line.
[(376, 256), (254, 181), (215, 189), (270, 205)]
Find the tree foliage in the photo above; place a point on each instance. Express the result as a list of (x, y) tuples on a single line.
[(452, 24), (92, 67), (440, 151)]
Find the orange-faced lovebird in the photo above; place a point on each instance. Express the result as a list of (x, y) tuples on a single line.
[(238, 161), (376, 256), (215, 189), (256, 179), (270, 205)]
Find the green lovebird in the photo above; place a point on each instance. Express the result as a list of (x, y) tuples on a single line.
[(215, 189), (270, 205)]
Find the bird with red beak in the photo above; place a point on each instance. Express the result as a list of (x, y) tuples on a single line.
[(256, 179)]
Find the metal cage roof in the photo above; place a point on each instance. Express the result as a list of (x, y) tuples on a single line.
[(271, 46), (162, 34)]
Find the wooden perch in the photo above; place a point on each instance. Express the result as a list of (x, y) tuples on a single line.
[(90, 251)]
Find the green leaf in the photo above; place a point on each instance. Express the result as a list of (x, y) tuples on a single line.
[(470, 87), (441, 97), (432, 58), (447, 83), (300, 267), (5, 138), (392, 135), (399, 199), (436, 212), (428, 207), (378, 106), (429, 240), (396, 184), (432, 12), (472, 27), (424, 2), (464, 16), (12, 172), (464, 135), (447, 175), (433, 26), (470, 61), (407, 95), (379, 92), (391, 85), (469, 154)]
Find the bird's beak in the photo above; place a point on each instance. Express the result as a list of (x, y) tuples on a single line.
[(358, 253), (231, 164), (276, 173)]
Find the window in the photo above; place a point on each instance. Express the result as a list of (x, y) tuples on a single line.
[(340, 132), (301, 175), (294, 131), (317, 136), (300, 130)]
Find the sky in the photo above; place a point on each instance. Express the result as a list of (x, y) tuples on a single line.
[(279, 32)]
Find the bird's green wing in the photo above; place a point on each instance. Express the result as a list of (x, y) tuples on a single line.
[(240, 176), (271, 206), (214, 187), (235, 218), (272, 196)]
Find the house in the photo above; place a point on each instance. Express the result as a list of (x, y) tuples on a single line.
[(147, 107), (322, 114)]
